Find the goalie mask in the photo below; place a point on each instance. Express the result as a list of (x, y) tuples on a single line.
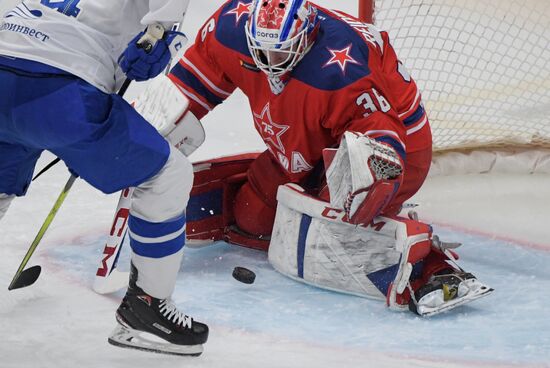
[(279, 33)]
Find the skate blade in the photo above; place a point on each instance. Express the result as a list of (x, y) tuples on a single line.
[(124, 337), (480, 293)]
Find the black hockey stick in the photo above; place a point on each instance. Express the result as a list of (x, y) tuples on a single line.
[(26, 277), (46, 168)]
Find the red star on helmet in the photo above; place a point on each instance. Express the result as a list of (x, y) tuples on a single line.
[(239, 11), (341, 58)]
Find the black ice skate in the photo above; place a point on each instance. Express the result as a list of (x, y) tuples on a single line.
[(445, 291), (151, 324)]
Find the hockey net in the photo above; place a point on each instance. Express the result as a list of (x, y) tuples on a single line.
[(483, 67)]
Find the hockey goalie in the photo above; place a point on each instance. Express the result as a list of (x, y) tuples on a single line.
[(348, 143)]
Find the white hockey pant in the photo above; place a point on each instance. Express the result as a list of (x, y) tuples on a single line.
[(157, 225)]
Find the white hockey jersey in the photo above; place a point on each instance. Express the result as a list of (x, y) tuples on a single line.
[(82, 37)]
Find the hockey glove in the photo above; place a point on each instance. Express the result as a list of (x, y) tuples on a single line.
[(363, 177), (148, 54)]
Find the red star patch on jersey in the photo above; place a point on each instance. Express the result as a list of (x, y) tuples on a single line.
[(341, 58), (270, 131), (240, 10)]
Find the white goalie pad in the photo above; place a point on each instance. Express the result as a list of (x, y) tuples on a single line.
[(312, 242), (359, 162), (165, 107)]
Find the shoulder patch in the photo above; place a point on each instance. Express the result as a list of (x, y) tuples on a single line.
[(231, 22), (339, 57)]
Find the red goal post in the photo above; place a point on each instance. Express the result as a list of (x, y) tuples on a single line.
[(483, 67), (366, 10)]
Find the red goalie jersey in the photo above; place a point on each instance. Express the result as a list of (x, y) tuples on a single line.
[(349, 80)]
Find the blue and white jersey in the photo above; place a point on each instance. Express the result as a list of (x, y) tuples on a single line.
[(82, 37)]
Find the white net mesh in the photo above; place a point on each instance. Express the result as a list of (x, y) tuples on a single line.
[(483, 67)]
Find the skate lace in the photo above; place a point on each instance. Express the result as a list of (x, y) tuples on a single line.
[(171, 312)]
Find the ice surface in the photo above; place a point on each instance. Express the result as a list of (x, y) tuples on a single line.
[(503, 222)]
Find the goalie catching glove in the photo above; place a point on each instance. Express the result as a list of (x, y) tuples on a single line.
[(363, 176)]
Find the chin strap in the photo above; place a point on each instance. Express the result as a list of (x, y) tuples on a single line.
[(277, 84)]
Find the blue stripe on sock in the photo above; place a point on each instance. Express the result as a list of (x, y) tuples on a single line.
[(148, 229), (302, 237), (158, 250)]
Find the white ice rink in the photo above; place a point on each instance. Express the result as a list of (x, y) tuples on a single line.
[(503, 220)]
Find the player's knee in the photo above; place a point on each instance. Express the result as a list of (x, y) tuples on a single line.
[(252, 214), (165, 195)]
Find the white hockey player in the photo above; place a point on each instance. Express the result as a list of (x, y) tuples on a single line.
[(59, 70)]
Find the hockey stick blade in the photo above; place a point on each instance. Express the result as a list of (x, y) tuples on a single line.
[(116, 281), (26, 278)]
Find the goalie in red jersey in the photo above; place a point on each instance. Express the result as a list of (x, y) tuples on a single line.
[(348, 141)]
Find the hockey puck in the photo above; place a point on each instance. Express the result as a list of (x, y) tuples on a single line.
[(244, 275)]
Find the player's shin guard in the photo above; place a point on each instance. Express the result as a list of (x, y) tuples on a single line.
[(157, 258), (5, 201), (157, 225)]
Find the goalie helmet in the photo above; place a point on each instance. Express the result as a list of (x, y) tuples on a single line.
[(279, 33)]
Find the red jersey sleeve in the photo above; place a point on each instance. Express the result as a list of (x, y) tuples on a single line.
[(199, 74), (404, 96)]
